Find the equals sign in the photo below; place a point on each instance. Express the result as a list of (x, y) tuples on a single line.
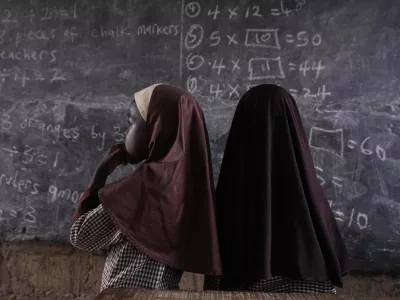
[(293, 92), (289, 38), (3, 76), (63, 13), (39, 77), (338, 215), (337, 181), (351, 144), (275, 12), (292, 66)]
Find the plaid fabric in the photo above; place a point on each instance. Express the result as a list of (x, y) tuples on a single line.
[(278, 284), (125, 266)]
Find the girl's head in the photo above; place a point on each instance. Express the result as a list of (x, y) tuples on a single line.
[(154, 119), (135, 136), (272, 215), (136, 139), (169, 197)]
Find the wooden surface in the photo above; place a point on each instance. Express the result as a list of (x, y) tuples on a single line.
[(114, 294)]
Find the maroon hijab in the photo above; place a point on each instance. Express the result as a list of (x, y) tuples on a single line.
[(272, 216), (165, 207)]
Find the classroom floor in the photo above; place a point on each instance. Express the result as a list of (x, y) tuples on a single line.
[(40, 270)]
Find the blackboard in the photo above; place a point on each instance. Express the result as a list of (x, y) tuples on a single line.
[(68, 70)]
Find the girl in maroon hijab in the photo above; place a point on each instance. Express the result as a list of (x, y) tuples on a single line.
[(275, 228), (158, 221)]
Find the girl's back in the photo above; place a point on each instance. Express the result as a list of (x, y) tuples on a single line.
[(276, 230)]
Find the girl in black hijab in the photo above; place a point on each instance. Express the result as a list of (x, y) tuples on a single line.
[(276, 230)]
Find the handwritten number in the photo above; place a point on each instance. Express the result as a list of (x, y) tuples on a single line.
[(216, 91), (364, 218), (307, 92), (28, 155), (380, 152), (7, 17), (57, 76), (304, 68), (322, 92), (302, 36), (194, 62), (264, 38), (215, 37), (256, 11), (47, 14), (193, 9), (214, 13), (191, 84), (29, 217), (363, 149), (284, 10), (194, 36), (316, 40), (5, 122), (118, 135), (219, 66)]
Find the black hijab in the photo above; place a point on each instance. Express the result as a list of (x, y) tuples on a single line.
[(272, 216)]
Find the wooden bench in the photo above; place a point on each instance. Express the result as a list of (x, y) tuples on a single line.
[(117, 294)]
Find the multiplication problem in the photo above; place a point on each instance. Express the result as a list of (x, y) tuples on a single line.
[(258, 68), (265, 58), (270, 38), (285, 8), (233, 90)]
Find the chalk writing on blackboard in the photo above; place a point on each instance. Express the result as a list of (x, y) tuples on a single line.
[(332, 141), (25, 215), (354, 218), (18, 183), (158, 30), (64, 194), (202, 69), (25, 54), (23, 77), (69, 70), (33, 156)]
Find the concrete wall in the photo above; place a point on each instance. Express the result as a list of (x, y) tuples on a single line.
[(38, 270)]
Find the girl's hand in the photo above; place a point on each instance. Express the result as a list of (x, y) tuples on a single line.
[(114, 157)]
